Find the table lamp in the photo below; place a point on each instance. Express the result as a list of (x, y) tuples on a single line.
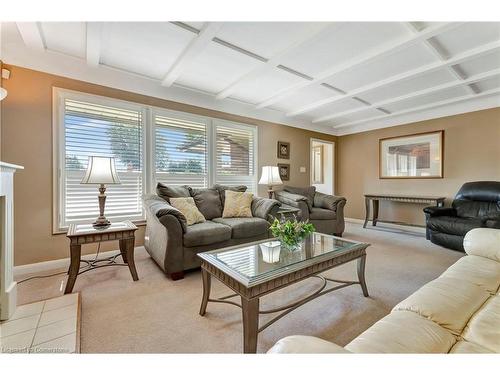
[(270, 177), (101, 170)]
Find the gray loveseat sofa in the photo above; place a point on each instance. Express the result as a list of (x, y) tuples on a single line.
[(174, 245), (325, 212)]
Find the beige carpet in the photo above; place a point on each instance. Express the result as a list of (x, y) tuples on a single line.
[(157, 315)]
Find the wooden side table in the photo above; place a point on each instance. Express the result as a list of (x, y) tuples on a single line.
[(82, 234)]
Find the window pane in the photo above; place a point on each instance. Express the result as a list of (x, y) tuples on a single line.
[(180, 151), (92, 129)]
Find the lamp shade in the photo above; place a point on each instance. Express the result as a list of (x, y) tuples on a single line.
[(3, 93), (270, 176), (101, 170)]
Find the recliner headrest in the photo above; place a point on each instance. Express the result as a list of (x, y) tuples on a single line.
[(487, 191)]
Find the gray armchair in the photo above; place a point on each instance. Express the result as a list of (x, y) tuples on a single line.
[(174, 245), (325, 212)]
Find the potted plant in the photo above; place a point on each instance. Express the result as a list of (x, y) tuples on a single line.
[(291, 233)]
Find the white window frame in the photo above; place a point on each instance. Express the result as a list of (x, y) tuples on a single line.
[(148, 144)]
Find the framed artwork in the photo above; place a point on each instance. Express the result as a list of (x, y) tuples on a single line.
[(284, 170), (283, 150), (412, 156), (317, 173)]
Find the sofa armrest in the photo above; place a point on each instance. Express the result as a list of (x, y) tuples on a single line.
[(265, 208), (159, 207), (484, 242), (330, 202), (305, 345), (440, 211), (294, 200)]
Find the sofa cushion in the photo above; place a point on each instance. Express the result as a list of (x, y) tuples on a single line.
[(477, 270), (206, 233), (484, 242), (307, 192), (322, 214), (166, 191), (484, 327), (463, 347), (493, 223), (403, 332), (188, 209), (453, 225), (446, 301), (237, 204), (208, 202), (476, 208), (222, 190), (245, 227)]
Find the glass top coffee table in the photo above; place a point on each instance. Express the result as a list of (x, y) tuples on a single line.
[(259, 268)]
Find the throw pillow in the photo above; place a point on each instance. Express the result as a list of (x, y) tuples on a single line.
[(238, 204), (307, 192), (166, 192), (208, 202), (222, 191), (188, 208)]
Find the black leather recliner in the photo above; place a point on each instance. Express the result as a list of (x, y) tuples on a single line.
[(476, 205)]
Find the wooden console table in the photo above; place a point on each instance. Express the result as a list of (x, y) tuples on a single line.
[(375, 198)]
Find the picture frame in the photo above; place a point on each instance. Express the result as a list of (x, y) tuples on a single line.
[(283, 151), (413, 156), (284, 171)]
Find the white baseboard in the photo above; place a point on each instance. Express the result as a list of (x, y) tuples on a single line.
[(406, 228), (52, 265)]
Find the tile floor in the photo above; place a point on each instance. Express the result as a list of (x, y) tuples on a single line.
[(49, 326)]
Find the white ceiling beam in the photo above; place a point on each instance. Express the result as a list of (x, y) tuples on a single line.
[(437, 53), (457, 59), (274, 61), (93, 52), (421, 108), (31, 34), (429, 90), (193, 49), (380, 51)]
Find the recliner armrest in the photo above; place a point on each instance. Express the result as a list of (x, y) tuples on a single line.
[(159, 207), (440, 211), (305, 345), (330, 202), (265, 208)]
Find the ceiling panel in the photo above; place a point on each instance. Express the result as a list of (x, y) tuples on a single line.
[(265, 38), (481, 64), (342, 105), (66, 37), (216, 68), (427, 99), (148, 48), (467, 36), (382, 68), (408, 86), (305, 96), (367, 113), (264, 85), (346, 42), (488, 84)]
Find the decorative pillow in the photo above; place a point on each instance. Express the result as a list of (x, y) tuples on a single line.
[(238, 204), (222, 191), (307, 192), (208, 202), (166, 192), (188, 208)]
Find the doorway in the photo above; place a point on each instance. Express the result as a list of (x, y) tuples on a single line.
[(322, 166)]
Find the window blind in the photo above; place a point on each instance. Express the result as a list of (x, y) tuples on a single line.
[(92, 129), (235, 156), (180, 151)]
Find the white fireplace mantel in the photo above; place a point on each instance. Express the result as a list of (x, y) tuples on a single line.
[(7, 285)]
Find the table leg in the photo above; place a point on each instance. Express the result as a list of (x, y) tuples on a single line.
[(74, 267), (375, 212), (367, 211), (129, 256), (250, 312), (123, 250), (361, 275), (207, 284)]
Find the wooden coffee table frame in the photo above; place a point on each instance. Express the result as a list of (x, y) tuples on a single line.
[(251, 295)]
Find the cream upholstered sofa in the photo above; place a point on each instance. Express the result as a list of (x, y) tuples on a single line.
[(459, 312)]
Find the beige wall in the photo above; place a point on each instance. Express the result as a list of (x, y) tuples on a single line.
[(27, 140), (471, 152)]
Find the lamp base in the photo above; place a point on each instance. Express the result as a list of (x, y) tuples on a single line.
[(101, 223)]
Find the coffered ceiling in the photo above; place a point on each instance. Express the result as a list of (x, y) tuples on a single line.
[(337, 77)]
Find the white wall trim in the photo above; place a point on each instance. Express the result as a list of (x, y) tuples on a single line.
[(406, 228)]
